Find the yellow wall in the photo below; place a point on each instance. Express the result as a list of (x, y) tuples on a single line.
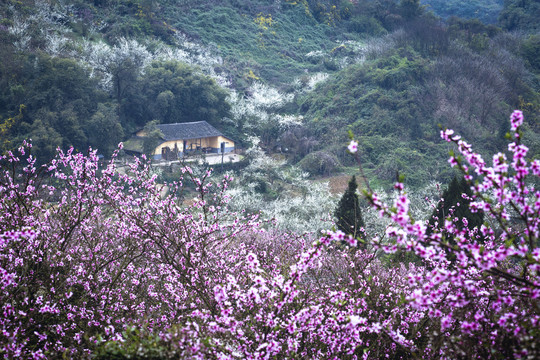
[(215, 142), (212, 142), (170, 144)]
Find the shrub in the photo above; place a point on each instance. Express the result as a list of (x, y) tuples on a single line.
[(320, 163)]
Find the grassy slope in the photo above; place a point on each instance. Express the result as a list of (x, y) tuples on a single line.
[(271, 43)]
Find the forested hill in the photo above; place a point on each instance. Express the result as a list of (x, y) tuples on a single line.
[(486, 11), (296, 74)]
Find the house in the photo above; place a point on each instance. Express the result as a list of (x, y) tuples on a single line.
[(180, 139)]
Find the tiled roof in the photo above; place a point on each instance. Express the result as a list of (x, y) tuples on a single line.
[(190, 130)]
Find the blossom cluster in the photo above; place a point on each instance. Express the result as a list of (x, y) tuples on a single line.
[(483, 284), (88, 254)]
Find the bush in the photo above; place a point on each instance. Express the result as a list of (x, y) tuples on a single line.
[(320, 163), (366, 25)]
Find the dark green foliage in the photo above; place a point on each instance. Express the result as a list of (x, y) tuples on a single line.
[(142, 344), (531, 52), (230, 166), (379, 102), (366, 25), (320, 163), (520, 15), (410, 9), (454, 205), (65, 107), (45, 140), (473, 33), (173, 92), (104, 128), (60, 100), (348, 214)]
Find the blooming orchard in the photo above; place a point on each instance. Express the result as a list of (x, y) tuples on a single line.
[(90, 257)]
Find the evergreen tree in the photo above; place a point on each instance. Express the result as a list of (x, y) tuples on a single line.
[(455, 205), (348, 214)]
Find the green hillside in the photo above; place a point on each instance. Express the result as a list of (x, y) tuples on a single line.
[(292, 76), (397, 101), (273, 45)]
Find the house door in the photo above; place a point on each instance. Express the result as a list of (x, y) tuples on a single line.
[(166, 153)]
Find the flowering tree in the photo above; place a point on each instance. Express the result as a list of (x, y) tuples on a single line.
[(486, 303), (86, 251), (92, 262)]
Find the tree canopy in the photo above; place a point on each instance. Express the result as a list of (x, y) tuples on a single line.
[(172, 92)]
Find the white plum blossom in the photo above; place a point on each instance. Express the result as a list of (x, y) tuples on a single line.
[(316, 79), (265, 96), (304, 206)]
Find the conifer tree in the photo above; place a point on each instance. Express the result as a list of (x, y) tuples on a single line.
[(348, 214), (455, 205)]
